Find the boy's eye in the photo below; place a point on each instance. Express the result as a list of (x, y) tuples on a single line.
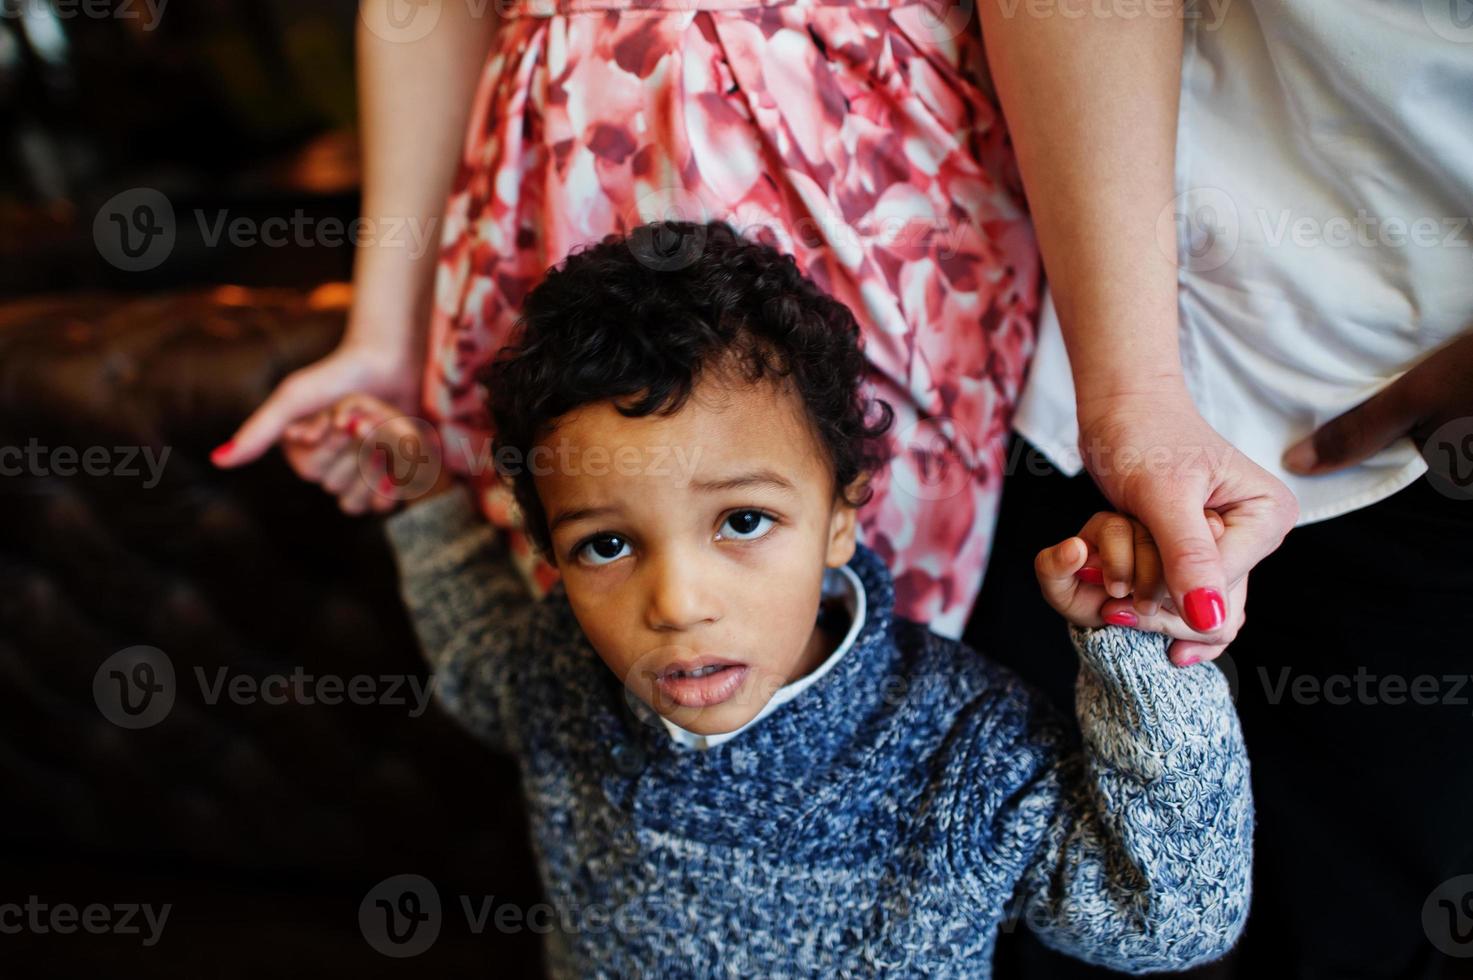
[(603, 549), (748, 524)]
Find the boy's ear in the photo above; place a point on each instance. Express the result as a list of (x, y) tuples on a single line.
[(843, 525)]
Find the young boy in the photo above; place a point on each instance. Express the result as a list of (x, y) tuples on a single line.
[(727, 740)]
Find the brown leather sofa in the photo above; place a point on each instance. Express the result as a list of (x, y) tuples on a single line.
[(262, 825)]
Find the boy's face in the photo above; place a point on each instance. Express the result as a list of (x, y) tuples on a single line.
[(702, 598)]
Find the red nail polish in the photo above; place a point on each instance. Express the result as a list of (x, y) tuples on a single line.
[(1122, 617), (1204, 610), (221, 450), (1090, 575)]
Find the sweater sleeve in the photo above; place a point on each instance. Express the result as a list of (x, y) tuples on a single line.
[(471, 611), (1133, 850)]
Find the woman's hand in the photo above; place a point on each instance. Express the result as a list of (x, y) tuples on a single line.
[(1155, 458), (414, 97), (382, 370), (1437, 390), (1090, 580)]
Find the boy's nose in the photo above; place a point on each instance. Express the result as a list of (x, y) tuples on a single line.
[(678, 596)]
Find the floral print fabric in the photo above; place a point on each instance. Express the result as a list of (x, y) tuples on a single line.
[(860, 138)]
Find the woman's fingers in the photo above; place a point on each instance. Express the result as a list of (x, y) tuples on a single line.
[(1190, 646), (304, 392), (1184, 653), (309, 429)]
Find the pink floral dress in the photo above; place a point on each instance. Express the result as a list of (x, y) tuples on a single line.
[(862, 137)]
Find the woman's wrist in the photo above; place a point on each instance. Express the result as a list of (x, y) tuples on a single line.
[(393, 298), (1100, 396)]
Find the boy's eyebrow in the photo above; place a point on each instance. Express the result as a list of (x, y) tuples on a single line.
[(577, 515), (757, 478)]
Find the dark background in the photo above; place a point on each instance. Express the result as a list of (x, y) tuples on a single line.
[(264, 827)]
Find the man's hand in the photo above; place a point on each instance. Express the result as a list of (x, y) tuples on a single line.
[(1437, 390), (1155, 458)]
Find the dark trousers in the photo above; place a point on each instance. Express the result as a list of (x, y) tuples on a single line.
[(1354, 690)]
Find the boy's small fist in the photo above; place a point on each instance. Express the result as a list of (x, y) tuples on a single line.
[(368, 454), (1111, 572)]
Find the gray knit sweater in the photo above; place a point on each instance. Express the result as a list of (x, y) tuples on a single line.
[(892, 818)]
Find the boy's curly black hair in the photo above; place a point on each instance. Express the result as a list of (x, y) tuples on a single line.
[(644, 314)]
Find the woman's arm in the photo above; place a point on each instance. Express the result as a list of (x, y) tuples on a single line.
[(1091, 102), (414, 97)]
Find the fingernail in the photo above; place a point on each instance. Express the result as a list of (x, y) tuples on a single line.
[(1122, 617), (1204, 610), (355, 427), (1188, 661), (1301, 457), (221, 451), (385, 485), (1090, 575)]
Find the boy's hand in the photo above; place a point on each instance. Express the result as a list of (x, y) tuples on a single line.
[(368, 454), (1111, 573)]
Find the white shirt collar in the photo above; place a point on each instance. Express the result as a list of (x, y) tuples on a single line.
[(838, 583)]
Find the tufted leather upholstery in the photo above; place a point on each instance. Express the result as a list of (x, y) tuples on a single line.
[(249, 570)]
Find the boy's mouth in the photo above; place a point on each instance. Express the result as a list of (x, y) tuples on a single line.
[(702, 683)]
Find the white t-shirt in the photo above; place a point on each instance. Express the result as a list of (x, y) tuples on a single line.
[(1325, 181)]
